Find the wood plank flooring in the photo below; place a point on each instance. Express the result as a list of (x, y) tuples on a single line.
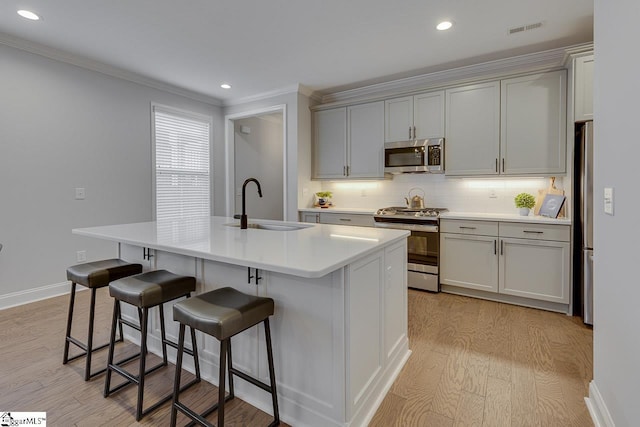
[(474, 363), (481, 363)]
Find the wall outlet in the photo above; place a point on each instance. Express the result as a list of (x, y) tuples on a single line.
[(81, 256), (79, 193), (493, 194)]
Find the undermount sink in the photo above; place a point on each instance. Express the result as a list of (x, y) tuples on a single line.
[(273, 227)]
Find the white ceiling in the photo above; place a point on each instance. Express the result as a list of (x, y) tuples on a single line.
[(263, 46)]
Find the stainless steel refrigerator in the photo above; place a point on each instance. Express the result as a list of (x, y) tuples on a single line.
[(583, 208)]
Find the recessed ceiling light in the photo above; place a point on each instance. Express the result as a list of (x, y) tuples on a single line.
[(225, 86), (28, 15), (444, 25)]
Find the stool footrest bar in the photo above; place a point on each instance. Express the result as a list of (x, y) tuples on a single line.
[(252, 380)]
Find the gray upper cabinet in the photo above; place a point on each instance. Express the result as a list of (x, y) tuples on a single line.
[(583, 88), (349, 142), (533, 124), (365, 144), (415, 117), (472, 137), (330, 155)]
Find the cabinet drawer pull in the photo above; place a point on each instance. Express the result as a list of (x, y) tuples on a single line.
[(414, 132), (467, 228), (495, 247), (501, 247), (503, 164), (345, 219), (532, 231), (409, 132), (496, 165)]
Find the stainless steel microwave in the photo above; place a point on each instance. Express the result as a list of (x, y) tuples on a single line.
[(422, 155)]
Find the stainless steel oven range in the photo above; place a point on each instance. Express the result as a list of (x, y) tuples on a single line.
[(423, 243)]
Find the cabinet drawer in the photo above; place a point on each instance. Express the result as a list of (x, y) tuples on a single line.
[(560, 233), (347, 219), (479, 228)]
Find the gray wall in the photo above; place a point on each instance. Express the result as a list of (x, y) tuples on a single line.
[(298, 133), (259, 154), (63, 127), (617, 149)]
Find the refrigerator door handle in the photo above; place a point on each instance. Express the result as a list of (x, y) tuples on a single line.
[(587, 186)]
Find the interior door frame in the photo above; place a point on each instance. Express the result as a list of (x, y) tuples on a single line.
[(230, 154)]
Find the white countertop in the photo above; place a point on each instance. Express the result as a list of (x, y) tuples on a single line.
[(504, 218), (313, 251), (363, 211)]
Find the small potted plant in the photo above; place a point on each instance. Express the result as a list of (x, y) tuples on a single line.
[(324, 198), (525, 201)]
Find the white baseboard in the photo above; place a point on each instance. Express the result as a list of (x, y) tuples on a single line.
[(597, 408), (31, 295)]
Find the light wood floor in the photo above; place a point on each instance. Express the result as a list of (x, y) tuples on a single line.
[(474, 363), (481, 363)]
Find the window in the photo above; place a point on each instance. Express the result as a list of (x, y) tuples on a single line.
[(182, 175)]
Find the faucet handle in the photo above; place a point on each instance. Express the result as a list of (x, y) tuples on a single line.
[(237, 216)]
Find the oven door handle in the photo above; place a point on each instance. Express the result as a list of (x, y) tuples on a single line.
[(410, 227)]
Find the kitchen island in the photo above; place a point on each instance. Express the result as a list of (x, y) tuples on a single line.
[(340, 325)]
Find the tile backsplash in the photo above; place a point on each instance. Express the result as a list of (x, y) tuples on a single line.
[(488, 195)]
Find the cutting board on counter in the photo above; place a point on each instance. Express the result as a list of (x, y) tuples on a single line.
[(550, 190)]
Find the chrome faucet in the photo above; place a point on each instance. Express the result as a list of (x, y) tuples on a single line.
[(243, 217)]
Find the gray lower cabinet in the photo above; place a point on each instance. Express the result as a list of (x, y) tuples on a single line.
[(355, 219), (517, 259)]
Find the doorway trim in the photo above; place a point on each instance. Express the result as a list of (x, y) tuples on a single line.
[(230, 155)]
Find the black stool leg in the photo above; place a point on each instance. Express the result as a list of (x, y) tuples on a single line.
[(143, 354), (92, 313), (65, 357), (194, 346), (224, 344), (121, 339), (272, 375), (116, 316), (176, 383), (230, 370), (163, 335)]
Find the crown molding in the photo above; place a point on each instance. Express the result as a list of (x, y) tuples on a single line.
[(534, 62), (287, 90), (101, 67), (576, 51)]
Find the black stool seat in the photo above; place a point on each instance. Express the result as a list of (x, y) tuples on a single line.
[(223, 313), (97, 274), (152, 288), (145, 291), (93, 275)]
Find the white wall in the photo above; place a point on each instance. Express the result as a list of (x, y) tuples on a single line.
[(63, 127), (259, 154), (456, 194), (616, 152)]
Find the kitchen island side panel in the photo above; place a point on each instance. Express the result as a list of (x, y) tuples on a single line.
[(310, 335)]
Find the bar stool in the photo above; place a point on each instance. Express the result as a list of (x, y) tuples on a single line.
[(222, 314), (93, 275), (145, 291)]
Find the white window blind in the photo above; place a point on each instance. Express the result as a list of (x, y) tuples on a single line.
[(182, 164)]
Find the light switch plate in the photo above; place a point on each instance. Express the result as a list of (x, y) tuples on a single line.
[(79, 193), (608, 200)]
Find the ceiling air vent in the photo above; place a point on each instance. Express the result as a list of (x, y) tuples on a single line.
[(523, 28)]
